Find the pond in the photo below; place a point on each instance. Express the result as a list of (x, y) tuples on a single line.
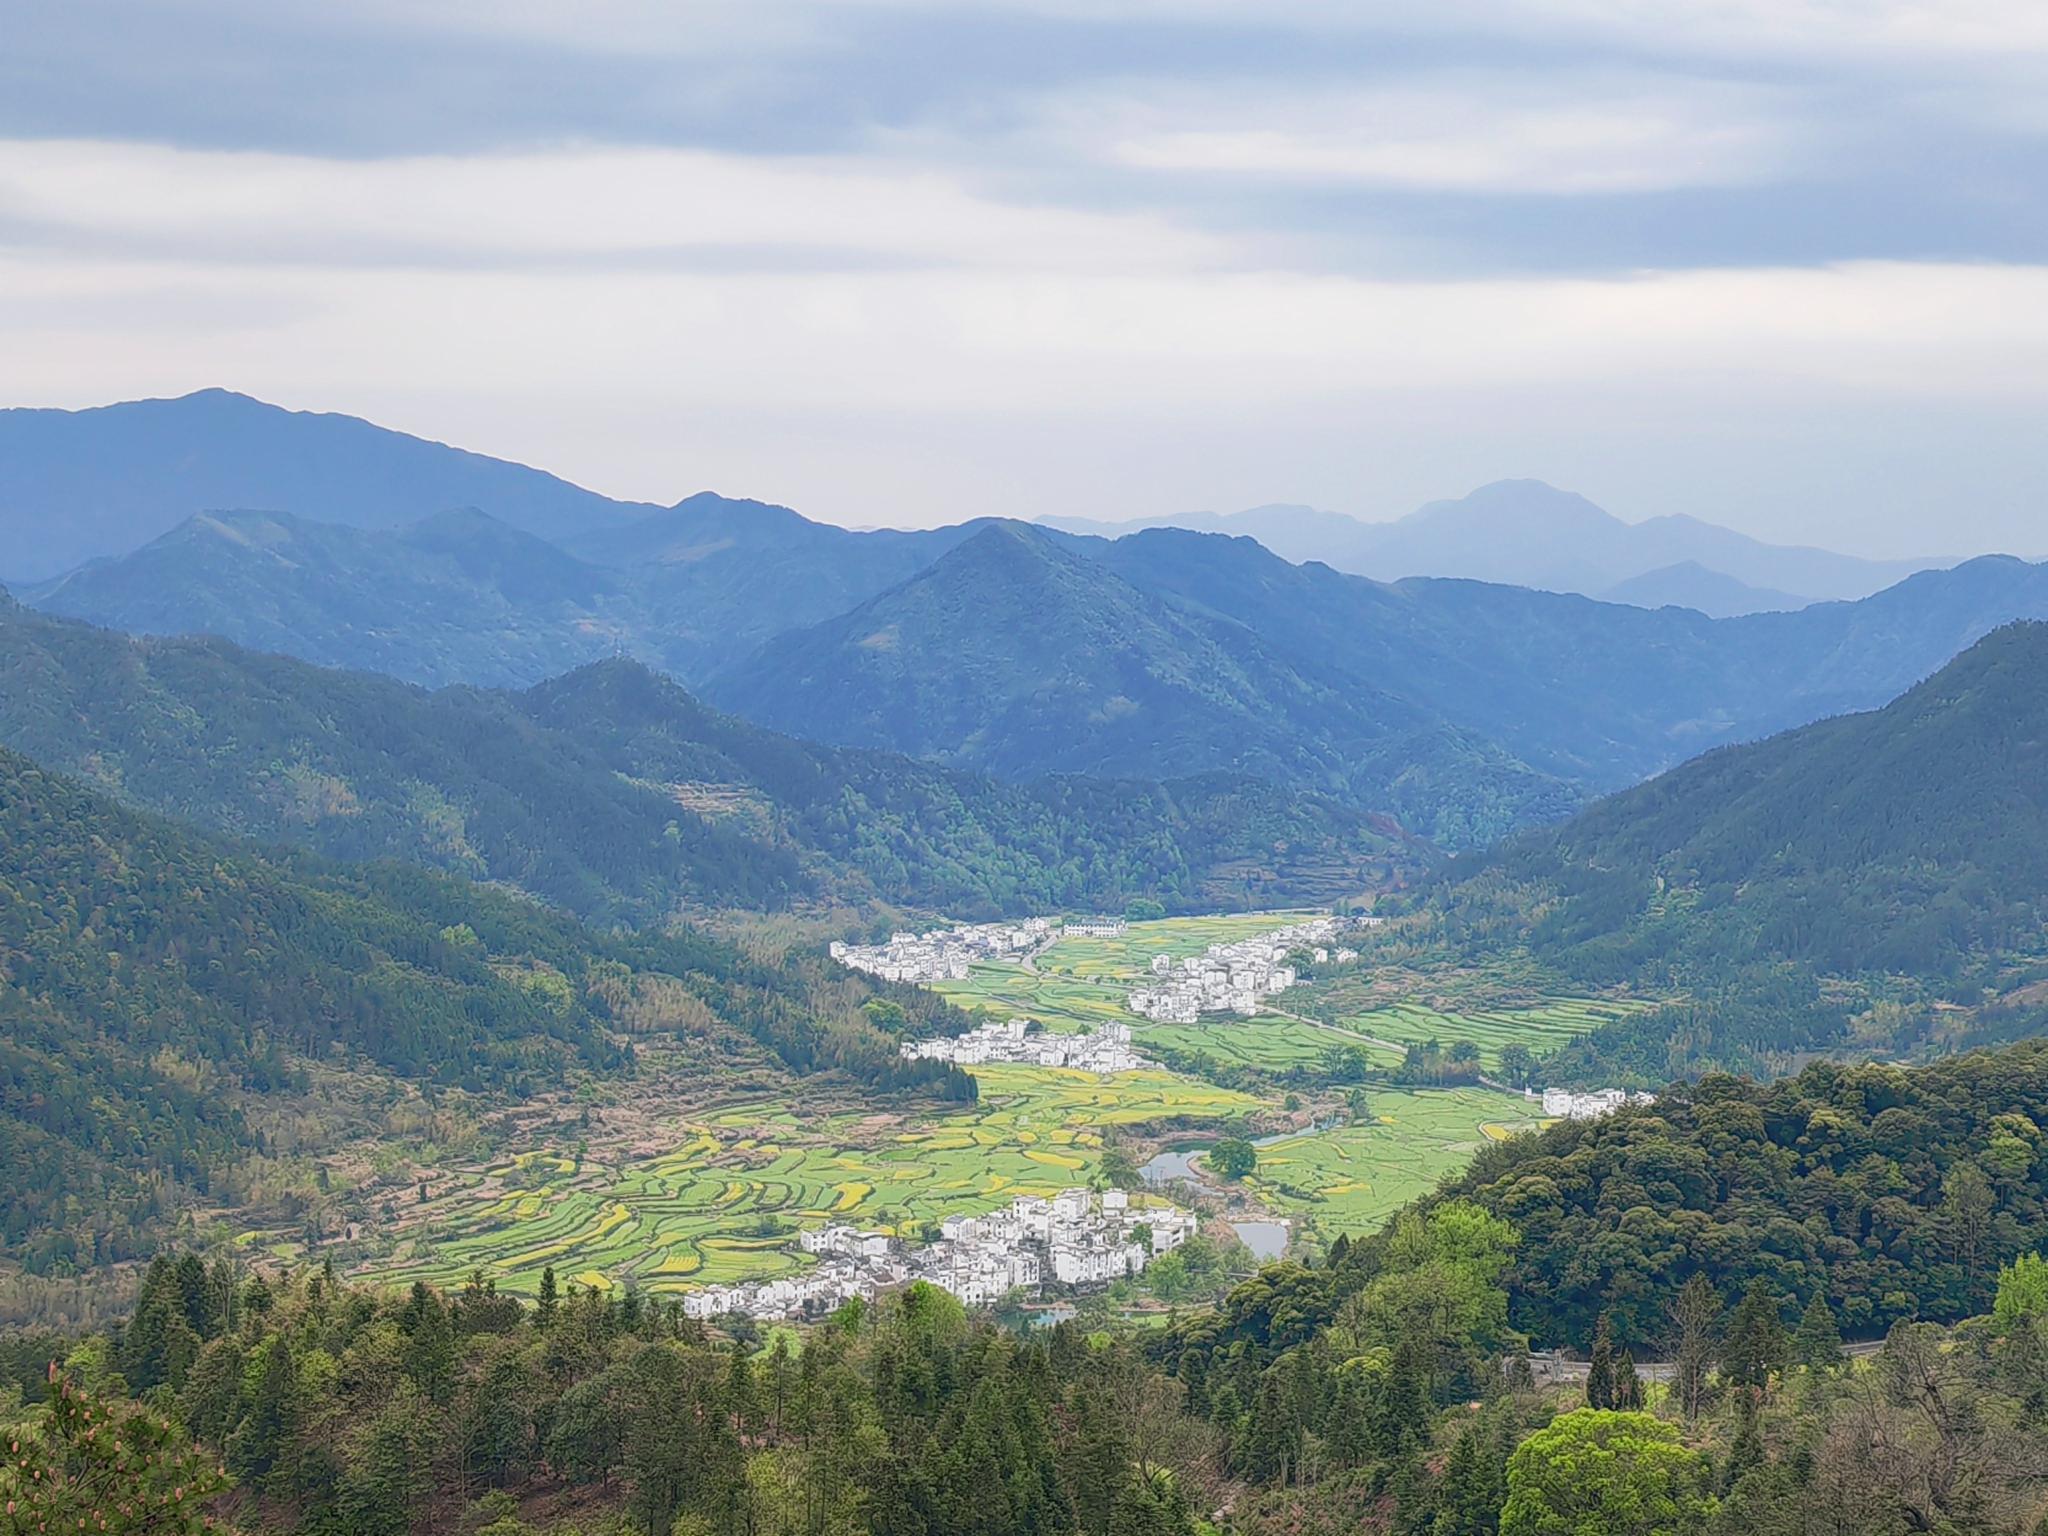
[(1266, 1239), (1174, 1163)]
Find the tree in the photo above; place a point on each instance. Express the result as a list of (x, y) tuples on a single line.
[(1756, 1339), (1628, 1386), (1517, 1065), (89, 1465), (1817, 1343), (1597, 1473), (1694, 1312), (1233, 1158), (549, 1300), (1600, 1372)]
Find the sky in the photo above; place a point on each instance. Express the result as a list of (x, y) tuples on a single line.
[(1778, 263)]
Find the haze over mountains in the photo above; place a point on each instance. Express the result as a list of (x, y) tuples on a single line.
[(1464, 708), (1526, 533)]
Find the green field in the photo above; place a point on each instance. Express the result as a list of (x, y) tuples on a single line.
[(1081, 983), (1352, 1178), (1541, 1028), (725, 1201), (1127, 958), (696, 1215)]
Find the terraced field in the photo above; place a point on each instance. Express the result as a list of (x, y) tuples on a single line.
[(1352, 1178), (1541, 1028), (723, 1205)]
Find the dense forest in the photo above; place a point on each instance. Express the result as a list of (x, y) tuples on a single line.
[(1388, 1387), (615, 795), (155, 979), (1876, 882)]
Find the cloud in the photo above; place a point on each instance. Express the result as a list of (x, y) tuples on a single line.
[(601, 207), (1465, 131)]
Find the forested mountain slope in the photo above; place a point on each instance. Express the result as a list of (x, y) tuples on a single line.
[(612, 793), (1904, 850), (153, 982)]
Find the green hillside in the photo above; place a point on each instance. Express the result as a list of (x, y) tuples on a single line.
[(614, 794), (1836, 887), (156, 986)]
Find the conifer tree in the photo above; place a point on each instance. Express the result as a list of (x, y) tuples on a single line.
[(1756, 1339), (1817, 1344), (1600, 1370), (1628, 1386)]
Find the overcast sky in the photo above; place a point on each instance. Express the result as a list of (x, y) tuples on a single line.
[(1779, 263)]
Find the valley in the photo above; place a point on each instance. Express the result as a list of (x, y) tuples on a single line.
[(669, 1185)]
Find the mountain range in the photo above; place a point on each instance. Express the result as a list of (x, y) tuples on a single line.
[(1465, 709), (611, 793), (1526, 533), (83, 485), (1462, 706)]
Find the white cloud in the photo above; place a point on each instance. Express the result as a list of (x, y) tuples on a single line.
[(1467, 131), (593, 204)]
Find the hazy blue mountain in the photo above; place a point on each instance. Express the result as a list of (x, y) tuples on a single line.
[(81, 485), (714, 577), (464, 597), (1689, 584), (1021, 653), (456, 597), (1529, 534), (1025, 654)]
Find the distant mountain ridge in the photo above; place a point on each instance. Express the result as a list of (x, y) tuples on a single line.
[(461, 596), (1463, 707), (1529, 534), (85, 485), (1022, 653)]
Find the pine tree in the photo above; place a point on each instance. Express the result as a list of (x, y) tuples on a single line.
[(1756, 1339), (1628, 1386), (549, 1301), (1817, 1344), (1600, 1371), (89, 1465)]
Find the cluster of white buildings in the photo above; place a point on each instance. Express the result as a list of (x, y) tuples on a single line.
[(944, 954), (1077, 1237), (1107, 1049), (814, 1292), (1230, 978), (1563, 1104)]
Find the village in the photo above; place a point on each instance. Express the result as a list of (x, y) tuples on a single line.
[(1021, 1042), (1232, 978), (944, 954), (1563, 1104), (1078, 1237)]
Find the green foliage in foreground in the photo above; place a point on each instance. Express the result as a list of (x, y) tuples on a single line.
[(1618, 1474), (1895, 1193), (1387, 1389)]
